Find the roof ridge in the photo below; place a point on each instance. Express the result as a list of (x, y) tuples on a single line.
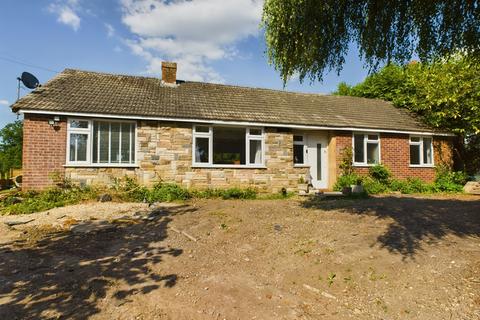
[(226, 85)]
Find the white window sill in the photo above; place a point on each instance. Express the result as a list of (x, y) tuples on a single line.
[(105, 165), (359, 165), (228, 166), (422, 166), (301, 166)]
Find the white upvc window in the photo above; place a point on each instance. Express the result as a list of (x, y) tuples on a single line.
[(299, 150), (228, 146), (366, 149), (255, 145), (101, 143), (421, 151)]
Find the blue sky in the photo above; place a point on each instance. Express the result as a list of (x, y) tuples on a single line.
[(212, 40)]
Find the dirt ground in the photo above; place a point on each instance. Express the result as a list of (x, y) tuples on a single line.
[(379, 258)]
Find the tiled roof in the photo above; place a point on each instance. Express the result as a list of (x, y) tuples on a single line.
[(100, 93)]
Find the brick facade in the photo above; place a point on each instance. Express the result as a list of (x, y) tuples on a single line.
[(44, 151), (164, 153), (395, 154)]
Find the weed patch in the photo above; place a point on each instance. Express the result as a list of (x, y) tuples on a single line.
[(29, 202)]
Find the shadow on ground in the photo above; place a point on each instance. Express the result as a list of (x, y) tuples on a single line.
[(414, 220), (65, 275)]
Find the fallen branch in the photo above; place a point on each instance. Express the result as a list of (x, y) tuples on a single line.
[(323, 293), (189, 236), (16, 223), (185, 234)]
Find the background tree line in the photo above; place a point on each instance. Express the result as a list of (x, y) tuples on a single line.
[(11, 140)]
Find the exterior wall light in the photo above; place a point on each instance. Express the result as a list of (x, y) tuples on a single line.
[(54, 122)]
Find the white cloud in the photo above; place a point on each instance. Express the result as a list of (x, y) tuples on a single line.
[(4, 102), (66, 12), (110, 30), (191, 32)]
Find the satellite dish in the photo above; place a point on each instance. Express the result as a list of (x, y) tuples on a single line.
[(29, 80)]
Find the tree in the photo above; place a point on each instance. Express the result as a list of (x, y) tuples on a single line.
[(310, 37), (11, 141), (444, 93)]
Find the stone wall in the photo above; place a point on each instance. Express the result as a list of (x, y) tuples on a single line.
[(165, 154)]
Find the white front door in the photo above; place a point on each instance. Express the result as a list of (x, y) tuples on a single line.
[(318, 160)]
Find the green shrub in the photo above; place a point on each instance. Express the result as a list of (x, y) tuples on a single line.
[(346, 180), (166, 192), (409, 186), (373, 186), (128, 189), (380, 173), (449, 181)]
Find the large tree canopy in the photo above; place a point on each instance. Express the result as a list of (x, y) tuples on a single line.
[(11, 137), (446, 94), (311, 37)]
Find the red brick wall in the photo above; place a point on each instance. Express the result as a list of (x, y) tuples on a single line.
[(395, 154), (44, 151)]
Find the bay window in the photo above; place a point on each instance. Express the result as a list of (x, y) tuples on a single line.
[(101, 143), (421, 151), (366, 149), (227, 146)]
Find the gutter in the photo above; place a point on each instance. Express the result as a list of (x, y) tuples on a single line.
[(239, 123)]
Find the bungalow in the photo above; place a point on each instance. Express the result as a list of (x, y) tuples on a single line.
[(94, 127)]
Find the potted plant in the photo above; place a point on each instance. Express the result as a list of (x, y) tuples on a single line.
[(236, 158), (302, 186), (358, 187)]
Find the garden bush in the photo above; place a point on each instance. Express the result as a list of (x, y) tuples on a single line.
[(449, 181), (373, 186), (166, 192), (380, 180), (380, 173), (128, 189), (409, 186)]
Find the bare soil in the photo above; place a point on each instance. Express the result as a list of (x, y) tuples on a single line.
[(379, 258)]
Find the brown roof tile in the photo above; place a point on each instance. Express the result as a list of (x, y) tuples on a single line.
[(92, 92)]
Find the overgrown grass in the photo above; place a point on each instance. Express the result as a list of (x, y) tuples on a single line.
[(126, 189), (29, 202), (129, 190)]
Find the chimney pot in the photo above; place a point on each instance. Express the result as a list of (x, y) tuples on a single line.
[(169, 72)]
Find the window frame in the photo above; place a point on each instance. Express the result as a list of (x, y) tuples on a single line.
[(421, 151), (89, 132), (305, 154), (366, 141), (84, 131), (209, 135)]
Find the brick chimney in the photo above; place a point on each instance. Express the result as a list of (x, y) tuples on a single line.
[(169, 72)]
